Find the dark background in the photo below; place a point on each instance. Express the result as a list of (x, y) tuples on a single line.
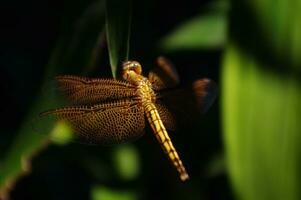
[(30, 32)]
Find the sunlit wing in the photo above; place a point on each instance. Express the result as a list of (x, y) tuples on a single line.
[(189, 102), (106, 124), (164, 75), (80, 90)]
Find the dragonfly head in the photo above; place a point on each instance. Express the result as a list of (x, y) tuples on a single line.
[(132, 66)]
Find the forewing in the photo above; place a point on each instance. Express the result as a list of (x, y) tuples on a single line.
[(82, 90), (189, 102), (164, 75), (105, 124)]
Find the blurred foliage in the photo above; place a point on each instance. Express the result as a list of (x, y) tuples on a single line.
[(263, 149), (118, 23), (262, 101), (61, 133), (205, 31), (103, 193), (127, 162)]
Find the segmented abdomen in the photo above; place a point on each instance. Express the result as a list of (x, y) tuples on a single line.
[(161, 134)]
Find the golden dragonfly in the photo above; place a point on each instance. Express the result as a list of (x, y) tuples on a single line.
[(110, 111)]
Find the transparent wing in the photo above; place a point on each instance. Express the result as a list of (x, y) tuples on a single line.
[(105, 124), (167, 117), (189, 102), (164, 75), (81, 90)]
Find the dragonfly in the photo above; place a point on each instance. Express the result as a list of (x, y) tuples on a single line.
[(112, 111)]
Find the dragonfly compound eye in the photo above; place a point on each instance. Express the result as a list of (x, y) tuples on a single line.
[(132, 66)]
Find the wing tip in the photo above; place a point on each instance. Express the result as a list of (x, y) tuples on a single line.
[(206, 91)]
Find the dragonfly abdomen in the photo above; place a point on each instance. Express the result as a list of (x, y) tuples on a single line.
[(161, 134)]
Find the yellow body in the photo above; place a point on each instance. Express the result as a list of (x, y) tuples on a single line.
[(164, 140), (119, 120), (147, 96)]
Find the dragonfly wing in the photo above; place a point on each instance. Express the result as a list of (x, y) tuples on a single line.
[(204, 92), (164, 75), (105, 124), (81, 90), (166, 116), (189, 102)]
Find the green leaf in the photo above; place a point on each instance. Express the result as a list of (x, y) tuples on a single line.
[(205, 31), (261, 100), (281, 24), (261, 120), (105, 193), (118, 21)]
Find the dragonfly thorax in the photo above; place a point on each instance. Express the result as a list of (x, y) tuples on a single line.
[(132, 73), (144, 90)]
